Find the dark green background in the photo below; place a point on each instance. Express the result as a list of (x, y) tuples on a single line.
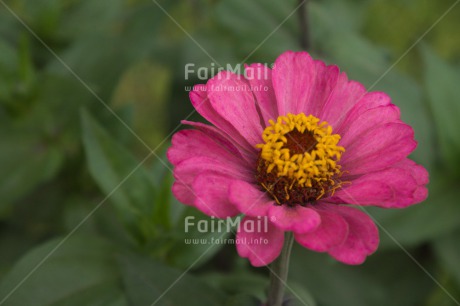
[(72, 71)]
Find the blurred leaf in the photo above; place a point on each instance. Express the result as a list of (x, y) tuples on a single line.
[(64, 278), (86, 17), (409, 20), (125, 34), (9, 65), (439, 297), (145, 87), (335, 14), (98, 67), (254, 21), (333, 283), (443, 91), (299, 296), (26, 161), (448, 250), (13, 244), (245, 283), (41, 16), (385, 276), (242, 300), (147, 281), (170, 210), (198, 244), (163, 208), (145, 28), (110, 164)]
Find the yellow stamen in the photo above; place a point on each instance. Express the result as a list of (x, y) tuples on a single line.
[(302, 149)]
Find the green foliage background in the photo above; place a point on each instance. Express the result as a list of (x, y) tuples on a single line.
[(90, 92)]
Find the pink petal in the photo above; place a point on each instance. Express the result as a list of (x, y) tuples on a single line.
[(250, 200), (260, 79), (232, 98), (369, 101), (362, 239), (211, 195), (395, 187), (418, 172), (294, 76), (193, 143), (298, 219), (183, 193), (200, 101), (344, 97), (332, 232), (224, 140), (367, 121), (325, 82), (260, 247), (379, 148), (186, 171), (421, 176)]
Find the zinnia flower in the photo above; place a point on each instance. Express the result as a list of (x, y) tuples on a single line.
[(302, 145)]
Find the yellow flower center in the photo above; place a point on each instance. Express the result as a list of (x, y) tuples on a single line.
[(298, 161)]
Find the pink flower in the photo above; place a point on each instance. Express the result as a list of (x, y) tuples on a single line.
[(298, 144)]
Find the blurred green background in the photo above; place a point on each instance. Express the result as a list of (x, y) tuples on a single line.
[(90, 92)]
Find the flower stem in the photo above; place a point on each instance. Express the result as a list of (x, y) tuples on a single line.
[(279, 272), (304, 38)]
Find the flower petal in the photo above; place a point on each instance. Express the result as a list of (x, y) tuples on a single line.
[(379, 148), (372, 119), (260, 79), (344, 97), (332, 232), (183, 193), (192, 143), (293, 80), (368, 102), (374, 109), (232, 98), (298, 219), (362, 239), (250, 200), (200, 101), (396, 187), (260, 247), (211, 195), (418, 172), (224, 140), (186, 171), (325, 82)]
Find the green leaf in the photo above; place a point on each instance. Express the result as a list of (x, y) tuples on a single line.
[(447, 249), (250, 29), (332, 283), (385, 276), (246, 283), (441, 82), (9, 59), (98, 16), (147, 281), (242, 300), (439, 297), (194, 244), (79, 271), (299, 296), (26, 161), (145, 87), (110, 165)]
